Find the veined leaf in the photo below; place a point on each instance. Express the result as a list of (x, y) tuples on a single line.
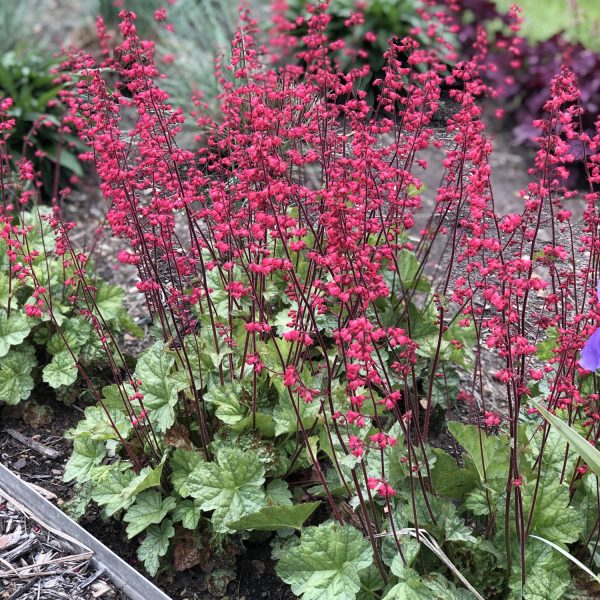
[(278, 493), (146, 479), (569, 556), (231, 486), (74, 334), (431, 587), (109, 301), (226, 399), (97, 425), (553, 518), (547, 574), (108, 483), (182, 463), (13, 330), (61, 370), (160, 389), (149, 508), (87, 454), (490, 453), (16, 382), (188, 512), (155, 545), (327, 563), (272, 518)]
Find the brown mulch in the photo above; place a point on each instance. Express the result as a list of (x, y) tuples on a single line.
[(38, 563)]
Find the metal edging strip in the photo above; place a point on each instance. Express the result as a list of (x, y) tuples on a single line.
[(133, 584)]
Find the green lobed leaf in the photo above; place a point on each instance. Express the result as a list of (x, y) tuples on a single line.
[(155, 545), (87, 454), (553, 516), (108, 484), (112, 396), (75, 333), (182, 463), (160, 389), (490, 453), (478, 503), (226, 399), (552, 448), (60, 371), (449, 479), (284, 415), (147, 478), (13, 330), (570, 557), (97, 425), (260, 421), (272, 518), (327, 563), (371, 582), (109, 301), (278, 493), (149, 508), (231, 486), (448, 525), (547, 574), (431, 587), (188, 512), (410, 549), (586, 501), (77, 506), (16, 382)]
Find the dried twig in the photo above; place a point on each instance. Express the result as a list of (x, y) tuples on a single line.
[(30, 443)]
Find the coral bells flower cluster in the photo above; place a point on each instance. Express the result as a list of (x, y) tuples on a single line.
[(290, 235)]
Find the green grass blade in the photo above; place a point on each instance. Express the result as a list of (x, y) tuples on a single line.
[(569, 556), (587, 452)]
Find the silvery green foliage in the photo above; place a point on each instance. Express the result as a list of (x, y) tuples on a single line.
[(202, 30), (17, 25)]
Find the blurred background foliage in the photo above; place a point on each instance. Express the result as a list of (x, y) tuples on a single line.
[(32, 33), (27, 65), (577, 20), (187, 44)]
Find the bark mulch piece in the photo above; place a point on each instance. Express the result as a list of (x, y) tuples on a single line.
[(40, 563)]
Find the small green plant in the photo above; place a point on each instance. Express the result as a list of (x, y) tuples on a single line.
[(37, 345)]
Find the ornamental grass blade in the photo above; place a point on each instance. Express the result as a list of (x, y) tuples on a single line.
[(425, 538), (568, 555), (587, 452)]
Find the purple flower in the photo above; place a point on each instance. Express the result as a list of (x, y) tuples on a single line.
[(590, 353)]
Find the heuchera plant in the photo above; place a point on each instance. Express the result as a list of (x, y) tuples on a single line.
[(44, 312), (304, 339)]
